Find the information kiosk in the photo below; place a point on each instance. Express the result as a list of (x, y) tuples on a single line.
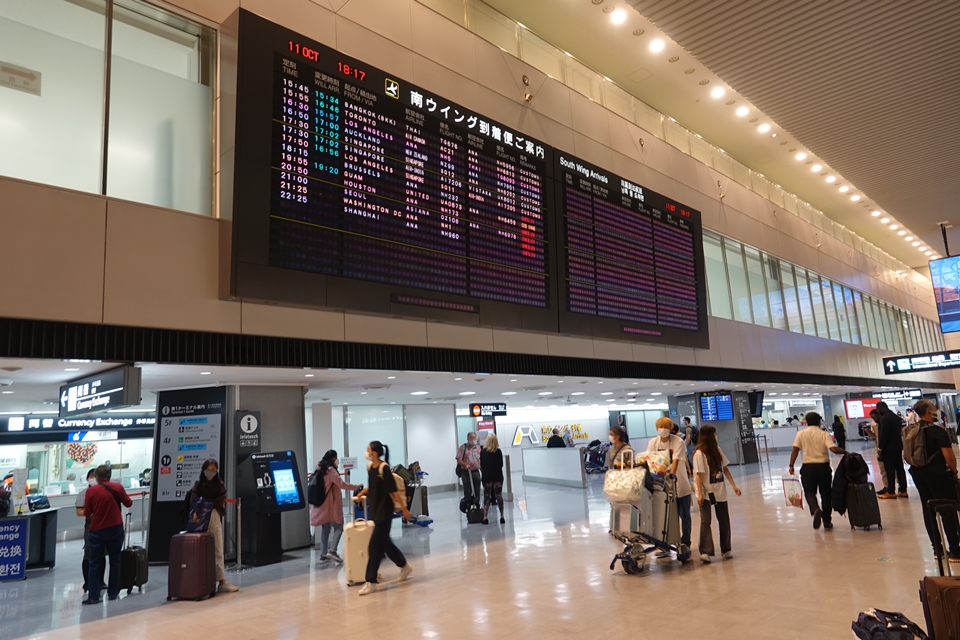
[(268, 484)]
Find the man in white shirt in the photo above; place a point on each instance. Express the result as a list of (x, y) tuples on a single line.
[(678, 467), (816, 474)]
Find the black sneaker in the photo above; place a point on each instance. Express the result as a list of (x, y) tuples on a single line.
[(882, 492), (828, 525), (817, 518)]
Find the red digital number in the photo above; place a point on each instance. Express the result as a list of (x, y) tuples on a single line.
[(671, 207), (306, 52)]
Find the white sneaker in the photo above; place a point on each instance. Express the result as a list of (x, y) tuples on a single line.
[(663, 553), (728, 555), (405, 572), (704, 558), (368, 588)]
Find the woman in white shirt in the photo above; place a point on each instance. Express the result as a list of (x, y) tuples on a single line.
[(678, 467), (709, 469)]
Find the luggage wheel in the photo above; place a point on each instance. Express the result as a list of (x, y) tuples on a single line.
[(130, 590)]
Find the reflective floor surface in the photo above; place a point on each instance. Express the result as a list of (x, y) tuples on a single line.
[(545, 572)]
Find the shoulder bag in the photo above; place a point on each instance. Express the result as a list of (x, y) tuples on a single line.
[(623, 485)]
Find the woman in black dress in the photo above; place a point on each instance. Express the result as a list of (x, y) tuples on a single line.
[(491, 474)]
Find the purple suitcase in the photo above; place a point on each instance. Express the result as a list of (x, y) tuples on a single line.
[(192, 573)]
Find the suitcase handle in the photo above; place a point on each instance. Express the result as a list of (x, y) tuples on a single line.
[(127, 526)]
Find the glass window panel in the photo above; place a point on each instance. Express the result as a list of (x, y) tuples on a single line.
[(841, 312), (866, 335), (717, 291), (161, 110), (892, 338), (488, 23), (758, 290), (827, 310), (811, 324), (790, 298), (851, 312), (926, 336), (881, 329), (737, 277), (377, 422), (774, 276), (915, 327), (900, 316), (541, 54), (911, 337), (51, 131)]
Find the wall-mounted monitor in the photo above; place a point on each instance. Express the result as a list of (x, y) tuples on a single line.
[(716, 407), (945, 275), (756, 403)]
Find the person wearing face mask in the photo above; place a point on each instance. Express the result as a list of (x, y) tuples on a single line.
[(85, 565), (329, 515), (210, 487), (665, 441), (468, 459), (620, 450)]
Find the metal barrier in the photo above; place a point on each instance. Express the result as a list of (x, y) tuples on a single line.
[(238, 565)]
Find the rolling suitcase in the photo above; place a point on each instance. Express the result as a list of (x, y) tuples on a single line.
[(624, 518), (134, 569), (474, 514), (863, 508), (192, 572), (356, 547), (941, 596)]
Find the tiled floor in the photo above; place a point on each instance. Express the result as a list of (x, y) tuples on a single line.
[(543, 574)]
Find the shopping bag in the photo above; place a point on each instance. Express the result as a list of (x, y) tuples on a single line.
[(658, 463), (199, 519), (625, 484), (793, 492)]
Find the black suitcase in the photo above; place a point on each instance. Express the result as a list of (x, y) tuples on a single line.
[(474, 514), (133, 565), (863, 508)]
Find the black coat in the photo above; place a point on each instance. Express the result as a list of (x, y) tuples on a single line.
[(890, 440), (555, 442)]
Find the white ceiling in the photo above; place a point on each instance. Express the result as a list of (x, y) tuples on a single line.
[(35, 385), (868, 90)]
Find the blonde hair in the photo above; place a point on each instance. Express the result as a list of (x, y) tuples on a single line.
[(491, 444), (664, 423)]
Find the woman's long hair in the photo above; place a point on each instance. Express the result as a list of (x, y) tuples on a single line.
[(207, 463), (491, 444), (382, 450), (326, 463), (711, 449)]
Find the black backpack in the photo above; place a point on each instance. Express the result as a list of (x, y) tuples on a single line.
[(316, 491), (694, 435)]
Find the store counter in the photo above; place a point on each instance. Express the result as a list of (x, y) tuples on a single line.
[(554, 466), (779, 438), (71, 525), (41, 538)]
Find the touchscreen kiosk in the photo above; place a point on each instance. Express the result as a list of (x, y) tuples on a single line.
[(269, 484)]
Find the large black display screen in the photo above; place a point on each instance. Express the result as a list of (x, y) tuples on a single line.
[(355, 189)]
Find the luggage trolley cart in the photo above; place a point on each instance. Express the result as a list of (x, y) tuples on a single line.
[(659, 529)]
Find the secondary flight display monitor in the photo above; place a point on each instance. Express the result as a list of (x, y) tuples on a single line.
[(633, 259), (945, 274), (347, 173)]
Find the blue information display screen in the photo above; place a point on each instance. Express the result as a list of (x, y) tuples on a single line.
[(716, 408), (284, 482)]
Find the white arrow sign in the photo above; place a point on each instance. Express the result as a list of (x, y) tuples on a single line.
[(892, 366), (63, 399)]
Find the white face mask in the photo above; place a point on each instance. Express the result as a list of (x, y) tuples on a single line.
[(664, 433), (471, 442), (611, 439), (208, 474), (366, 454), (92, 482)]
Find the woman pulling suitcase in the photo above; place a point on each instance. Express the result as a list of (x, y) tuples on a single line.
[(381, 492), (210, 487)]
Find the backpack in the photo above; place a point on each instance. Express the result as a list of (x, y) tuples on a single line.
[(915, 445), (401, 487), (855, 468), (316, 490), (694, 435), (875, 624)]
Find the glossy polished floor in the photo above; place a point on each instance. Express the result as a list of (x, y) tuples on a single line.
[(545, 572)]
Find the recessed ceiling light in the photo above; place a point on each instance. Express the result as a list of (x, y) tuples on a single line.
[(929, 253), (559, 381), (72, 369), (916, 244), (801, 156), (514, 380), (815, 168), (468, 393), (844, 189), (894, 227), (763, 128), (618, 17), (742, 111), (854, 197), (773, 135), (885, 221), (363, 393), (599, 381), (631, 399), (607, 393), (545, 393), (908, 238), (419, 393), (205, 373), (901, 232), (577, 393), (657, 46), (717, 92), (462, 379), (308, 375), (875, 214), (922, 248), (831, 178), (611, 399), (509, 393), (6, 393), (657, 393)]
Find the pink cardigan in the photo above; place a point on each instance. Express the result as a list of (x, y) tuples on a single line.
[(332, 508)]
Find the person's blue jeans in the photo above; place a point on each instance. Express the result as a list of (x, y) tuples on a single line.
[(105, 543), (683, 509), (330, 542)]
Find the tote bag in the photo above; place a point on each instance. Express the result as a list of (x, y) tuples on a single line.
[(623, 486)]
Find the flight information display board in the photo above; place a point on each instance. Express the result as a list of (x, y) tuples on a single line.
[(375, 179), (354, 189), (632, 256), (713, 408)]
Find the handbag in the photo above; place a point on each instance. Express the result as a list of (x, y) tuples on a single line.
[(38, 503), (200, 512), (623, 485), (792, 492)]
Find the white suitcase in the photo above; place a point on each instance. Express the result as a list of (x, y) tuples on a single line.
[(624, 518), (356, 545)]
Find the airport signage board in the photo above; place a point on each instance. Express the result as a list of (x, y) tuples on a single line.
[(488, 410), (921, 362), (105, 391)]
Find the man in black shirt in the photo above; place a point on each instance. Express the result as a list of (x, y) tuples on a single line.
[(890, 445), (555, 441), (937, 479)]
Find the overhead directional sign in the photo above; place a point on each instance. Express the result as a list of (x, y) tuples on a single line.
[(900, 394), (488, 409), (921, 362), (112, 389)]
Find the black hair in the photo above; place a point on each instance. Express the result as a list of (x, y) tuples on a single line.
[(382, 450), (882, 406), (326, 463), (92, 472), (207, 463), (813, 419), (620, 432)]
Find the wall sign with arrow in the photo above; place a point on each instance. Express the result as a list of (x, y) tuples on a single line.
[(19, 78)]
